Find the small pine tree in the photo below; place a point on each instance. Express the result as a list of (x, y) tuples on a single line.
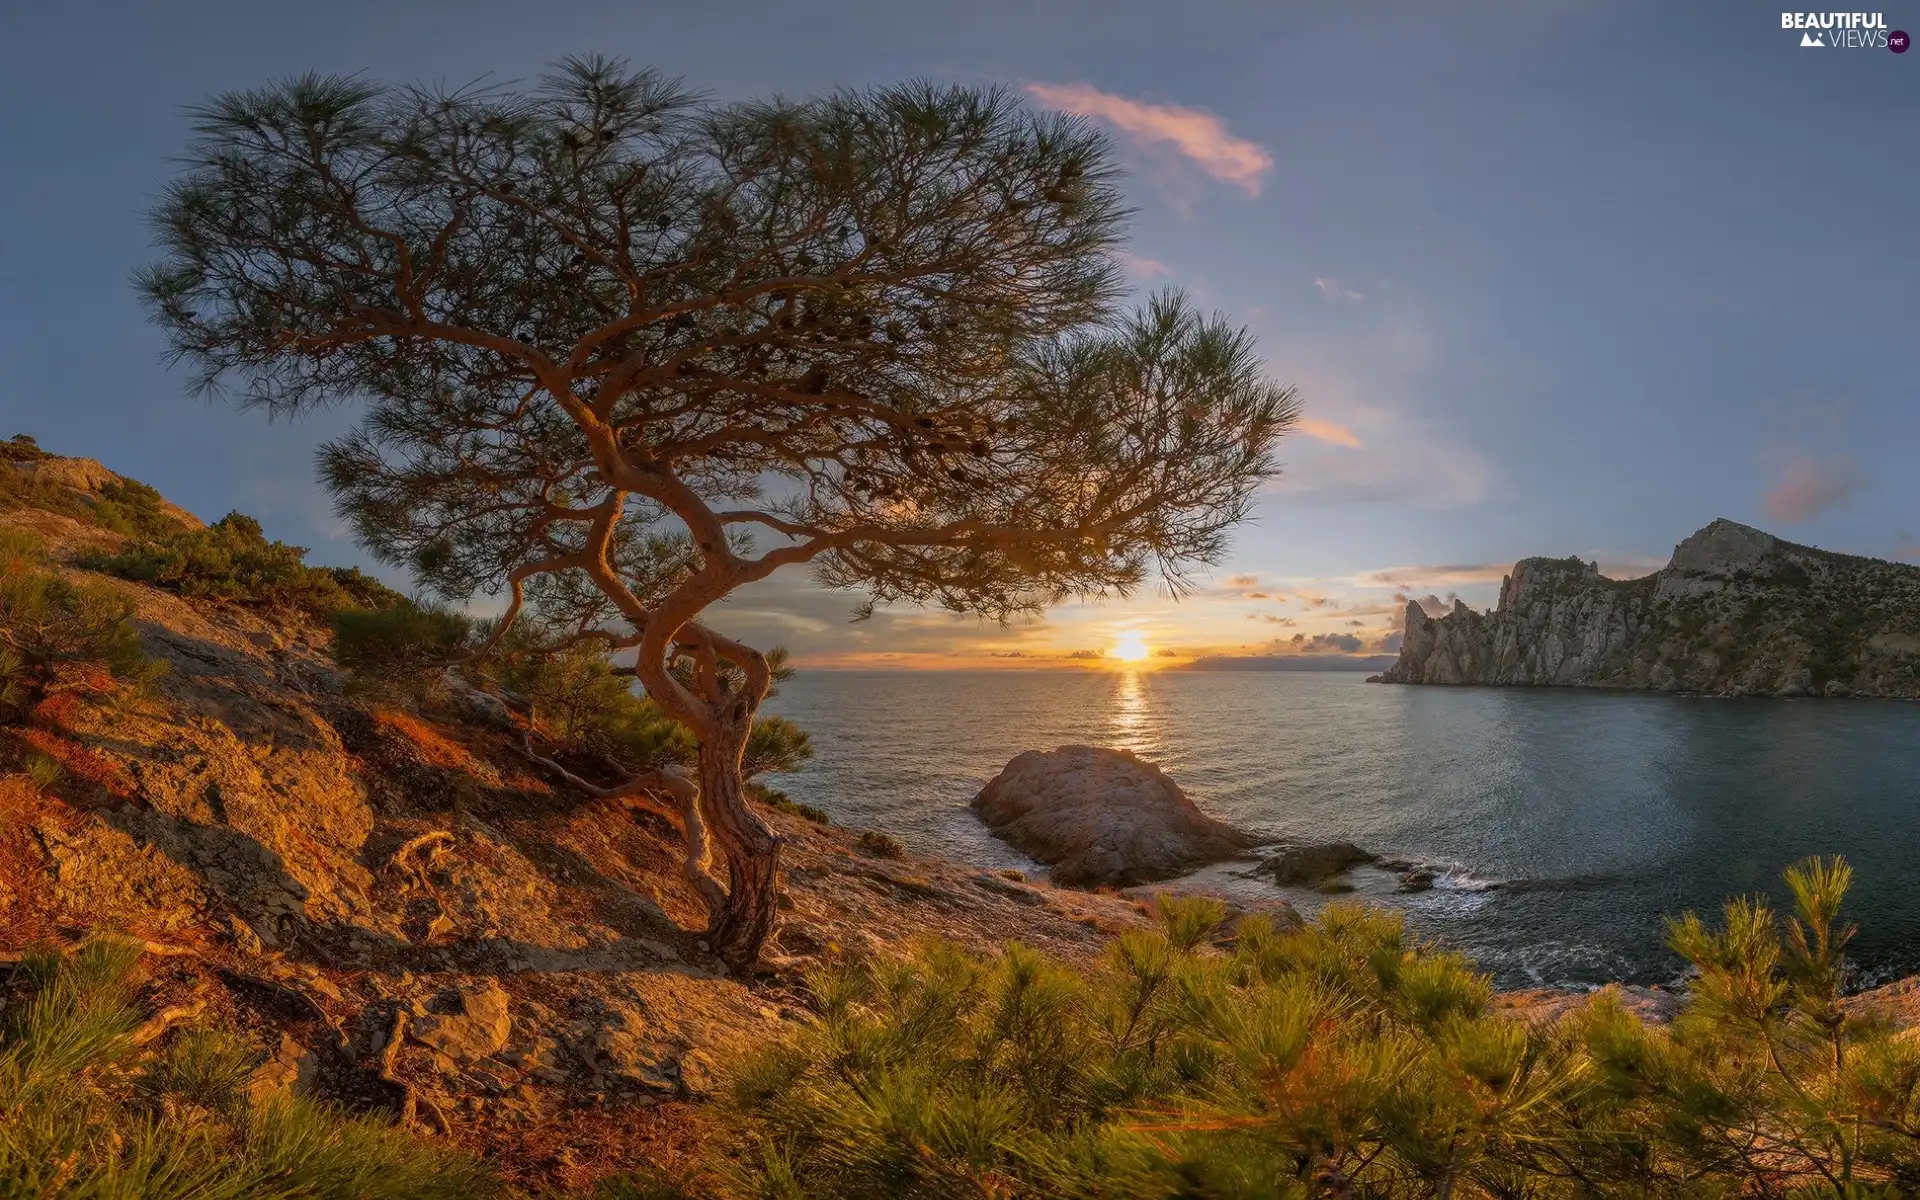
[(60, 636)]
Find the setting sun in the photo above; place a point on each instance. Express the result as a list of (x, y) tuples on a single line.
[(1131, 648)]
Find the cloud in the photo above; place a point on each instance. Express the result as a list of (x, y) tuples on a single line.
[(1346, 643), (1809, 486), (1434, 577), (1906, 547), (1331, 289), (1192, 132), (1242, 581), (1327, 431), (1141, 267)]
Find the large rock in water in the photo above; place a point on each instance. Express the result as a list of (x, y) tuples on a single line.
[(1735, 612), (1099, 816)]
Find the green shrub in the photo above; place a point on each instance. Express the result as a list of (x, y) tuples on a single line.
[(22, 447), (126, 506), (776, 744), (42, 771), (363, 589), (206, 1067), (1335, 1059), (184, 1131), (55, 634), (132, 508), (880, 845), (779, 801), (400, 644), (230, 560), (579, 701)]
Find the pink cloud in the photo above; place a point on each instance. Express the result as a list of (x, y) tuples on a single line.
[(1192, 132), (1327, 431), (1906, 547), (1331, 289), (1141, 267), (1809, 486)]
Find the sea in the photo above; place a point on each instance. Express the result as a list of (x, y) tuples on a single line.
[(1567, 825)]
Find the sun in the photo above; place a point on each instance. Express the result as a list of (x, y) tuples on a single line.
[(1131, 648)]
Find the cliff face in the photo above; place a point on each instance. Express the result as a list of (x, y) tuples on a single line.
[(1736, 612)]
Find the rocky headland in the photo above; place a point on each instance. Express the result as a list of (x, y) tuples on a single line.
[(1736, 612)]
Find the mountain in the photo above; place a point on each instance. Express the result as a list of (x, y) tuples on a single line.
[(1736, 612)]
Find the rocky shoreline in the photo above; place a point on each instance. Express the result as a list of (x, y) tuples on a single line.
[(404, 913), (1736, 612)]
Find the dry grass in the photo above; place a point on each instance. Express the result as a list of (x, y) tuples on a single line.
[(435, 748)]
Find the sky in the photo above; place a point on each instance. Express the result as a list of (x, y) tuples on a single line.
[(1552, 277)]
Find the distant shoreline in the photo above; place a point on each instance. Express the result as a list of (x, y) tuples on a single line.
[(1289, 662)]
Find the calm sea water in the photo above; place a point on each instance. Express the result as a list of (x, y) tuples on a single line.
[(1595, 813)]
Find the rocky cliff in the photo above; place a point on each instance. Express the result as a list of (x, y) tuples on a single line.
[(1736, 612)]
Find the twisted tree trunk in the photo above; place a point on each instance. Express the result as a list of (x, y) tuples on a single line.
[(739, 928)]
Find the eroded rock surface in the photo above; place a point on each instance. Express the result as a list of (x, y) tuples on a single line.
[(1099, 816)]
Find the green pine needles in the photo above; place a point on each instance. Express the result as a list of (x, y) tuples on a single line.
[(86, 1114), (231, 560), (1337, 1059)]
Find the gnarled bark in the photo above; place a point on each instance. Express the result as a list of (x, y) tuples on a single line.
[(741, 926)]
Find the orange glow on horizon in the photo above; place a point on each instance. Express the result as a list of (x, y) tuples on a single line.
[(1132, 648)]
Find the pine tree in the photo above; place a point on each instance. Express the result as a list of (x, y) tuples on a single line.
[(602, 333)]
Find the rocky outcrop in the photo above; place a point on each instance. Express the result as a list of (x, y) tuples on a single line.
[(1099, 816), (1308, 865), (1736, 612)]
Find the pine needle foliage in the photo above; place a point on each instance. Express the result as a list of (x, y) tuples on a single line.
[(57, 636), (1337, 1059), (87, 1115), (232, 560)]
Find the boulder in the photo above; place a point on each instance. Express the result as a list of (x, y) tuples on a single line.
[(1099, 816), (1309, 865)]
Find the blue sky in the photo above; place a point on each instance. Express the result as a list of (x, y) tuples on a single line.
[(1552, 277)]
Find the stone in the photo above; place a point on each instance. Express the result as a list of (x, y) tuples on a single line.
[(1416, 881), (292, 1070), (479, 1026), (1100, 816), (999, 885), (1309, 865), (698, 1074)]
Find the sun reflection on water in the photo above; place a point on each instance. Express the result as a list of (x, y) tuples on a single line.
[(1131, 716)]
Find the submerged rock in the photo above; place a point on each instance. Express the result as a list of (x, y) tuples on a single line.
[(1100, 816), (1312, 865)]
